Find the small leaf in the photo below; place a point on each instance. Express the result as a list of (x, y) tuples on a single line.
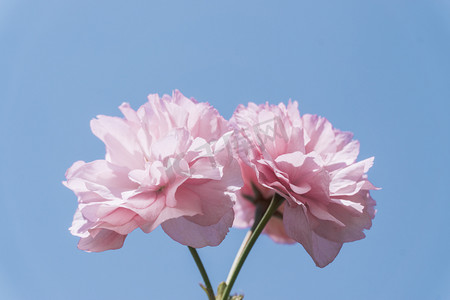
[(205, 289), (220, 289)]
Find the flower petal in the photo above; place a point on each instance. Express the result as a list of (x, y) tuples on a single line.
[(188, 232), (103, 240), (119, 137), (297, 226)]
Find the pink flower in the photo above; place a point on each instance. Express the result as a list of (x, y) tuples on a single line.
[(313, 166), (166, 164)]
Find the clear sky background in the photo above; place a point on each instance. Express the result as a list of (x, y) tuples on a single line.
[(378, 68)]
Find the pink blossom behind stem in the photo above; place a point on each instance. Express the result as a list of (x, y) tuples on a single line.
[(313, 166), (166, 164)]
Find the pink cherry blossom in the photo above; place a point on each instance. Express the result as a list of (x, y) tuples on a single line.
[(166, 164), (313, 166)]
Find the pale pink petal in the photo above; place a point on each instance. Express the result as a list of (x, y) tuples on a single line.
[(320, 211), (129, 113), (275, 230), (215, 200), (119, 216), (310, 164), (188, 232), (353, 219), (350, 180), (206, 168), (297, 226), (321, 133), (124, 229), (244, 212), (348, 154), (103, 240), (119, 137), (80, 225), (98, 180), (171, 145), (162, 163), (343, 138)]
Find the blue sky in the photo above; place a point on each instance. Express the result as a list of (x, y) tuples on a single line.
[(378, 68)]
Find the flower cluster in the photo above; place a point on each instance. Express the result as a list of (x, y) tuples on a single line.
[(310, 164), (165, 165), (177, 163)]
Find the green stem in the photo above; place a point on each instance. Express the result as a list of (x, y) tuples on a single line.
[(202, 270), (239, 253), (259, 213), (248, 243)]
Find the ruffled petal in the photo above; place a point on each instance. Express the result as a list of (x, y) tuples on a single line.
[(189, 232), (297, 226), (119, 137), (165, 161), (103, 240)]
